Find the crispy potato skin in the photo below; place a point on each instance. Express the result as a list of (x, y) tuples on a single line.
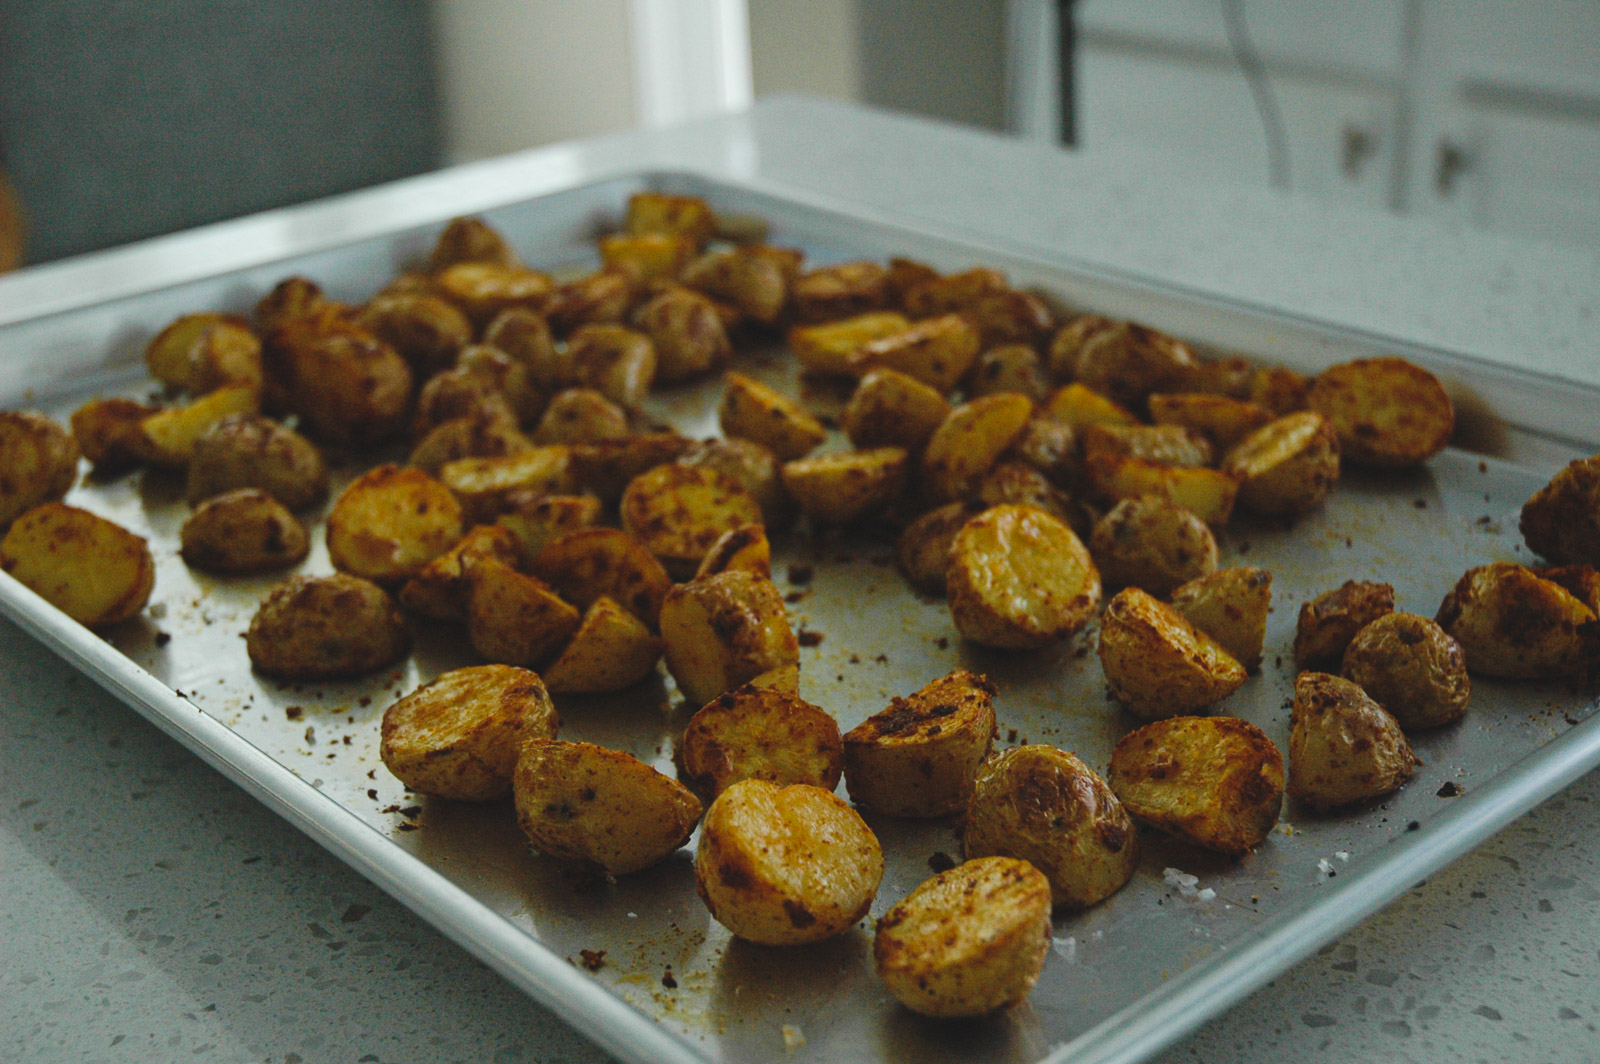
[(938, 352), (680, 511), (585, 803), (831, 348), (1215, 781), (1128, 362), (722, 631), (1513, 623), (242, 531), (753, 466), (1562, 519), (349, 386), (968, 941), (1068, 342), (201, 352), (1169, 445), (483, 289), (765, 733), (1328, 622), (753, 411), (326, 627), (611, 649), (252, 451), (745, 547), (487, 487), (390, 522), (755, 279), (1080, 406), (1157, 664), (439, 589), (588, 563), (1409, 666), (581, 415), (107, 432), (1048, 808), (1014, 367), (605, 468), (538, 519), (923, 550), (843, 486), (1221, 419), (917, 758), (785, 865), (841, 291), (468, 239), (427, 331), (1288, 466), (1149, 543), (1344, 748), (893, 409), (168, 437), (514, 619), (689, 336), (38, 463), (93, 570), (618, 362), (1019, 578), (1386, 411), (1230, 606), (969, 441), (459, 736)]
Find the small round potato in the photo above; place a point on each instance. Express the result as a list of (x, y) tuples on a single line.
[(1343, 747), (923, 549), (1157, 663), (581, 415), (252, 451), (688, 333), (109, 432), (1562, 519), (1215, 781), (970, 940), (843, 486), (390, 522), (1014, 481), (754, 278), (1230, 606), (459, 736), (1048, 808), (618, 362), (753, 466), (484, 289), (93, 570), (291, 298), (600, 298), (1009, 368), (587, 563), (839, 291), (679, 511), (784, 865), (427, 331), (1151, 544), (1386, 411), (1287, 466), (513, 618), (893, 409), (525, 338), (1067, 345), (242, 531), (1127, 362), (1411, 668), (350, 387), (38, 463), (585, 803), (1328, 622), (760, 733), (1513, 623), (1019, 578), (918, 757), (469, 240), (722, 631), (201, 352), (326, 627)]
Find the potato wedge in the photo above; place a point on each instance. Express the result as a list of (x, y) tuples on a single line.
[(952, 292), (242, 531), (1328, 622), (844, 290), (939, 352), (753, 278), (890, 409), (439, 589), (1386, 411), (93, 570), (348, 386), (923, 550), (722, 631), (611, 649), (1128, 362), (680, 511), (618, 362), (484, 289), (968, 443), (1207, 493), (38, 463), (485, 487), (1562, 519), (536, 519), (1344, 748), (1230, 606), (1081, 406), (605, 468), (1213, 781), (512, 618), (1019, 578), (199, 353), (1157, 664), (469, 240), (753, 411), (168, 437), (1410, 667), (427, 331), (1067, 344), (251, 451), (325, 628), (1151, 544), (760, 733), (647, 257), (843, 486), (745, 547), (918, 757), (665, 212), (600, 298), (581, 415), (390, 522), (1288, 466), (107, 433), (588, 564), (292, 298), (753, 466), (1011, 317), (1171, 445), (459, 736), (831, 348), (1009, 368), (1221, 419), (1513, 623), (689, 336)]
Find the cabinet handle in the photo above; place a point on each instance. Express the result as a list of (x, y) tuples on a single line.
[(1356, 147), (1450, 162)]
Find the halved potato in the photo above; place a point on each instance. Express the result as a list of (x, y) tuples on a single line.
[(1010, 317), (536, 519), (1157, 664), (484, 289), (1067, 344), (38, 462), (291, 298), (1230, 606), (524, 336), (688, 333), (485, 487), (1562, 519), (1080, 406), (680, 511), (923, 549), (1019, 578), (611, 649), (1386, 411), (917, 758), (1221, 419), (744, 548), (1287, 466), (581, 415), (753, 411), (512, 618), (251, 451), (647, 257), (762, 733), (753, 278), (831, 348), (426, 330), (1009, 368), (969, 442), (93, 570), (1344, 747), (605, 468), (242, 531), (490, 433), (348, 386), (618, 362), (840, 291), (1049, 446), (891, 409), (439, 589), (904, 275), (469, 240), (390, 522), (600, 298), (938, 352), (1012, 481), (590, 563), (1410, 667), (107, 432), (952, 292), (1328, 622), (753, 466), (1280, 390), (168, 437), (1171, 445), (1149, 543), (843, 486), (1207, 493), (1128, 362), (326, 627), (199, 353), (665, 212), (1513, 623), (722, 631)]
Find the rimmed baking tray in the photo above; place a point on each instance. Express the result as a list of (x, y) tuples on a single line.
[(1125, 977)]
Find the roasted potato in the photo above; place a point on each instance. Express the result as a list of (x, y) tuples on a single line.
[(486, 487), (199, 353), (904, 275), (745, 547), (890, 409), (968, 941), (1044, 806), (1157, 664), (1151, 544), (1010, 317), (1221, 419), (93, 570), (251, 451), (923, 550), (679, 511), (840, 291), (939, 352), (648, 256), (242, 531), (617, 362), (1386, 411), (38, 463), (291, 298), (439, 589), (390, 522), (1230, 378), (721, 631), (1214, 781), (831, 348), (459, 736), (1049, 446), (753, 411), (917, 758), (1009, 368), (460, 393), (1013, 481), (580, 802), (502, 374), (536, 519), (760, 733), (490, 433), (754, 467), (606, 468), (1410, 667), (512, 618), (1067, 344), (1207, 493), (348, 386), (1081, 406), (1230, 606), (107, 433), (469, 240), (524, 336), (427, 331), (968, 443), (1019, 578), (843, 486), (484, 289), (754, 278), (168, 437), (785, 865), (1280, 390), (1128, 362), (600, 298), (1328, 622), (326, 627), (611, 649), (587, 564), (689, 336), (1286, 467), (1343, 747), (1562, 519), (1513, 623), (952, 292), (1171, 445), (664, 212), (581, 415)]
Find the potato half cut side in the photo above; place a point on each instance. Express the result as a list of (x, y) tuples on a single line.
[(611, 649), (745, 547), (680, 511), (722, 631), (1562, 519), (93, 570), (38, 462), (1286, 467), (592, 562), (1230, 606), (752, 410), (1344, 748), (1386, 411), (917, 758), (326, 627), (1151, 544), (969, 441), (390, 522), (843, 486), (1157, 663), (1019, 578), (439, 590), (893, 409), (755, 732)]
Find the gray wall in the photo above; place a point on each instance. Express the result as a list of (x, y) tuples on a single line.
[(941, 58)]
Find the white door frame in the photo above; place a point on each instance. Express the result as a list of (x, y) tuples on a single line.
[(691, 58)]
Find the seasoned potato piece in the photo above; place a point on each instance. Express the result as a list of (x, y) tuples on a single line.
[(1582, 582), (427, 331), (201, 352), (460, 393), (904, 275), (439, 589), (242, 531), (663, 212), (1222, 420), (781, 678), (38, 463), (168, 437), (745, 547), (721, 631), (785, 865), (514, 619), (617, 362), (291, 298), (1048, 808), (1067, 344), (1127, 362), (831, 348), (1561, 521), (581, 415), (604, 296), (1214, 781), (605, 468), (968, 941), (1409, 666), (1230, 606), (1011, 481), (1328, 622), (938, 352), (611, 649), (484, 289), (1157, 664), (1049, 446), (1282, 391), (107, 433), (968, 443), (459, 736), (1009, 368), (952, 292), (1207, 493), (1386, 411), (1343, 747), (1287, 466), (689, 336), (326, 627), (484, 486), (492, 432), (923, 549), (581, 802), (93, 570), (755, 279), (1231, 378), (503, 374), (251, 451), (524, 336), (647, 256), (1011, 317), (1513, 623), (680, 511), (753, 466), (890, 409), (469, 240), (917, 758), (349, 386), (390, 522), (1019, 578), (753, 411), (760, 733), (1170, 445), (843, 486), (591, 563), (1080, 406), (1149, 543), (841, 291), (535, 519)]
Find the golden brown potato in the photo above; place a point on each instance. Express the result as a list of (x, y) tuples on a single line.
[(1157, 664), (617, 362), (760, 733), (469, 240), (1513, 623), (904, 275), (427, 331), (1149, 543), (1049, 446), (390, 522), (486, 487), (1009, 368), (512, 618), (326, 627), (586, 564), (458, 737), (108, 434), (1011, 317), (439, 589), (722, 631), (680, 511), (1230, 606), (581, 802), (917, 758), (939, 352), (843, 486), (605, 468), (952, 292), (1067, 344), (524, 337), (1410, 667), (1343, 747), (1562, 519), (291, 298), (251, 451), (1231, 378), (168, 437), (536, 519), (689, 336), (841, 291), (753, 466), (1128, 362), (745, 547), (1019, 578), (348, 386), (459, 393), (484, 289), (611, 649), (38, 463), (1048, 808), (242, 531), (1221, 419), (753, 411), (581, 415), (923, 549), (1214, 781), (1582, 582), (1282, 391), (1328, 622), (1207, 493), (1287, 466), (93, 570), (1386, 411), (648, 256), (664, 212), (968, 443), (831, 348), (602, 297), (1170, 445), (1013, 481), (199, 353), (755, 279), (785, 865), (505, 375), (968, 941), (1080, 406), (490, 433), (890, 409)]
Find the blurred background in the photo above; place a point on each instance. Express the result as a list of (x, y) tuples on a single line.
[(121, 120)]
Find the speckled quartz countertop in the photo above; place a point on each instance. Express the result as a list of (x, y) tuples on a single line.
[(155, 912)]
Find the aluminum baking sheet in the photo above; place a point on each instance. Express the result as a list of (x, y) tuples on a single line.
[(1123, 978)]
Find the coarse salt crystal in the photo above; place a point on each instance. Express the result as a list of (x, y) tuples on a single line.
[(1342, 855), (1206, 894), (1324, 866), (157, 610), (1067, 947), (1185, 883), (793, 1038)]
